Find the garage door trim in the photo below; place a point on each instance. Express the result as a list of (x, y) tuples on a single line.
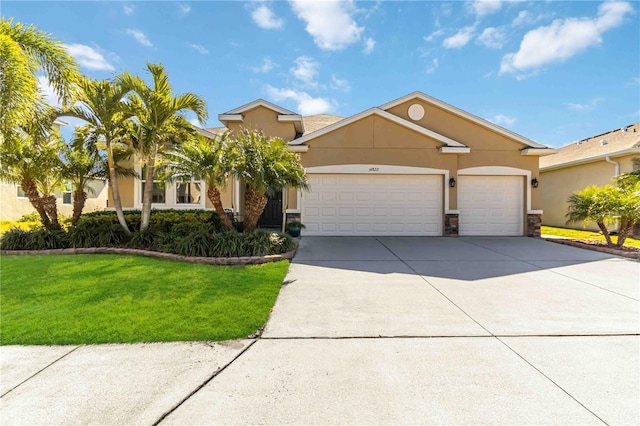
[(381, 169)]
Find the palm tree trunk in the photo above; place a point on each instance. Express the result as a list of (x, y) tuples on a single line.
[(214, 195), (623, 232), (605, 232), (115, 189), (50, 205), (31, 191), (79, 199), (148, 194), (254, 203)]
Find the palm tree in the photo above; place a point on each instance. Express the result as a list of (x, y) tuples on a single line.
[(203, 159), (266, 166), (159, 121), (101, 104), (24, 50), (82, 164), (592, 204), (31, 160)]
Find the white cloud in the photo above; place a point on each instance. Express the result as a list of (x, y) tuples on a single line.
[(433, 66), (459, 39), (522, 18), (369, 45), (492, 37), (89, 57), (484, 7), (45, 88), (267, 65), (330, 23), (306, 70), (264, 18), (434, 35), (564, 38), (140, 37), (128, 9), (306, 104), (339, 84), (587, 106), (503, 120), (184, 8), (199, 48)]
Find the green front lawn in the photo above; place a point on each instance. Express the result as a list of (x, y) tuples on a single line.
[(584, 235), (76, 299)]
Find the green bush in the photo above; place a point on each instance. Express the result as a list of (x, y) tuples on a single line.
[(14, 239), (162, 220), (144, 239), (44, 239), (196, 233), (30, 217)]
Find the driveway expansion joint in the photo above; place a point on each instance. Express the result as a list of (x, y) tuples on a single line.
[(203, 384), (40, 371)]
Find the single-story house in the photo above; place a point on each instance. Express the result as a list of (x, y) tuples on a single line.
[(592, 161), (413, 166), (14, 203)]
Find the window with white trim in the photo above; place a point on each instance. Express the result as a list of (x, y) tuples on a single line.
[(188, 192), (159, 193), (20, 192)]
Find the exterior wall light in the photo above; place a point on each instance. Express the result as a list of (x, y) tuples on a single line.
[(452, 182), (534, 182)]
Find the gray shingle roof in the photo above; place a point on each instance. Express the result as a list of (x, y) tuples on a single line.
[(608, 143)]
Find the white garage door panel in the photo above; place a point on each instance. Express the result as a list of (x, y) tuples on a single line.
[(353, 204), (490, 205)]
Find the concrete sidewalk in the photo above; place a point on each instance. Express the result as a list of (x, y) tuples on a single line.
[(377, 331)]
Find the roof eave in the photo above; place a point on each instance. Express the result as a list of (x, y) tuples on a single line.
[(540, 152), (634, 150)]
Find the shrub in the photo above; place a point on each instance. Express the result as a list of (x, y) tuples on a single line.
[(281, 243), (30, 217), (82, 235), (162, 220), (144, 239), (14, 239), (196, 243), (258, 243), (229, 244), (44, 239)]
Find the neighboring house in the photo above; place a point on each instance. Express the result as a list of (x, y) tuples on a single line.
[(413, 166), (14, 204), (592, 161)]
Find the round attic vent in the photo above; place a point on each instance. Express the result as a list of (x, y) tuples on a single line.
[(416, 112)]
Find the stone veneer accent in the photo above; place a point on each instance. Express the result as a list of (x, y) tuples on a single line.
[(533, 225), (451, 225)]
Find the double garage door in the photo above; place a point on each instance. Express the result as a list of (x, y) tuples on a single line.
[(366, 204)]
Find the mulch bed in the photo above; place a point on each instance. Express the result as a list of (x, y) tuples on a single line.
[(601, 246)]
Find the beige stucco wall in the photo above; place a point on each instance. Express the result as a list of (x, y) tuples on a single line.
[(12, 207), (377, 140), (266, 120), (557, 185)]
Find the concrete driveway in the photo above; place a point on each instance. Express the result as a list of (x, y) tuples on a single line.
[(377, 331)]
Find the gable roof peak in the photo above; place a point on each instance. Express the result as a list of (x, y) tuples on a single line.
[(257, 103), (464, 114)]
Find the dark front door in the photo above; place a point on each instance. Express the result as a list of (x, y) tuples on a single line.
[(272, 214)]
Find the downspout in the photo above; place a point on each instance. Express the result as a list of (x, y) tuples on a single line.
[(608, 160), (617, 173)]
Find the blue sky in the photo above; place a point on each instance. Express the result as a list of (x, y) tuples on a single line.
[(552, 71)]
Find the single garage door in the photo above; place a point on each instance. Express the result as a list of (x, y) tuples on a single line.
[(490, 205), (357, 204)]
